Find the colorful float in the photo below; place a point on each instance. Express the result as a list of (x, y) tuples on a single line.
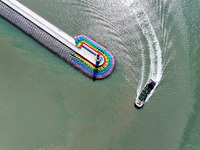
[(104, 63)]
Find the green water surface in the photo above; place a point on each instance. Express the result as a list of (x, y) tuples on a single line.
[(46, 104)]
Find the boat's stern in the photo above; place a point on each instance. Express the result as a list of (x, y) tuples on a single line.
[(139, 103)]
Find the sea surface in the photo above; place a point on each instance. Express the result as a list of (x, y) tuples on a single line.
[(46, 104)]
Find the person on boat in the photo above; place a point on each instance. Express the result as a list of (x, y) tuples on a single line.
[(151, 85)]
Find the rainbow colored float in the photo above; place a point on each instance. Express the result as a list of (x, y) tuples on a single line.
[(104, 60)]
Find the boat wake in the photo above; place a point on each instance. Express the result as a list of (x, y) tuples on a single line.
[(155, 53)]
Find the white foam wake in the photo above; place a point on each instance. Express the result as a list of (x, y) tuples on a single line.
[(142, 71), (155, 53)]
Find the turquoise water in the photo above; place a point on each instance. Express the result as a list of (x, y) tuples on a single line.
[(46, 104)]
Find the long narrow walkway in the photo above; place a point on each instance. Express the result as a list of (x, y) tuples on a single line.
[(81, 52), (51, 29)]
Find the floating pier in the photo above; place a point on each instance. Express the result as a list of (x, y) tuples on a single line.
[(81, 52)]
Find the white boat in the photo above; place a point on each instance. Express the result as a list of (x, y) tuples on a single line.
[(145, 92)]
